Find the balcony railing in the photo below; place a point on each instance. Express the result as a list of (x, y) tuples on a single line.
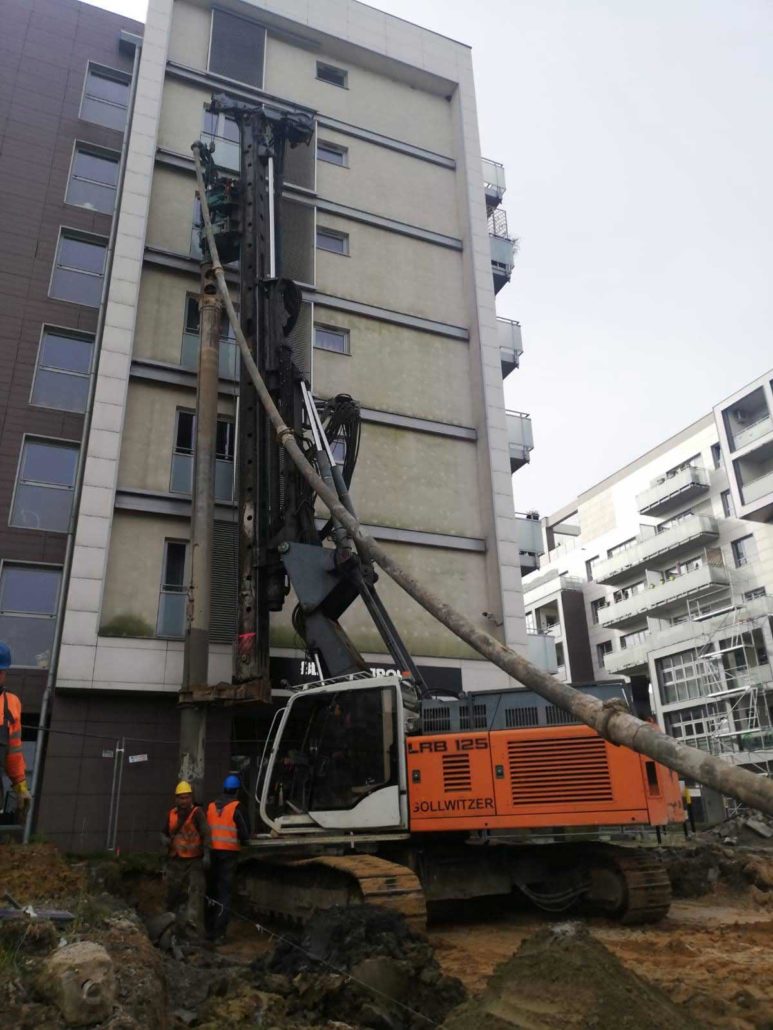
[(669, 491), (541, 651), (528, 533), (657, 601), (628, 659), (510, 344), (757, 488), (697, 529), (751, 432), (502, 248), (494, 183), (520, 438), (181, 481)]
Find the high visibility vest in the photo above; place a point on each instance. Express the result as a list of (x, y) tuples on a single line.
[(222, 826), (185, 840), (10, 737)]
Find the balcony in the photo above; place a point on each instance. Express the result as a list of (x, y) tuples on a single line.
[(668, 492), (659, 601), (757, 488), (698, 529), (502, 248), (510, 345), (541, 651), (494, 184), (520, 438), (528, 532), (628, 660)]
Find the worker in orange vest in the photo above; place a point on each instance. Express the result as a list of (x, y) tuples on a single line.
[(186, 838), (10, 736), (229, 830)]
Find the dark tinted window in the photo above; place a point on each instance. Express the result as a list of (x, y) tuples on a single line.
[(332, 153), (330, 73), (64, 371), (106, 97), (237, 48), (93, 180), (79, 269)]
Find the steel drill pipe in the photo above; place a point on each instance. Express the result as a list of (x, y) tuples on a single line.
[(611, 721)]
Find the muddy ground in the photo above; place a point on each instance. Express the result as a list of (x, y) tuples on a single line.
[(709, 964)]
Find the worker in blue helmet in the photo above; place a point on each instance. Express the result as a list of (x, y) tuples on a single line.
[(11, 756), (229, 829)]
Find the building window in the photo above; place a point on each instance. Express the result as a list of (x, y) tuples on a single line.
[(93, 179), (728, 508), (602, 650), (590, 565), (338, 450), (237, 48), (29, 599), (632, 639), (681, 677), (45, 485), (106, 97), (744, 551), (624, 593), (626, 545), (716, 455), (329, 338), (752, 595), (335, 242), (181, 481), (595, 608), (330, 73), (682, 568), (223, 131), (675, 520), (63, 372), (690, 463), (560, 660), (79, 268), (228, 354), (332, 153), (173, 597), (692, 726)]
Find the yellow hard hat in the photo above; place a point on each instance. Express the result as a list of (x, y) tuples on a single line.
[(183, 787)]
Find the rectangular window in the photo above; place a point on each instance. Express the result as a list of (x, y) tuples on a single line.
[(590, 565), (632, 639), (224, 133), (682, 568), (602, 650), (79, 268), (667, 524), (682, 676), (93, 179), (63, 371), (329, 338), (338, 449), (184, 448), (330, 73), (332, 153), (744, 551), (625, 592), (752, 595), (728, 508), (237, 48), (689, 463), (29, 598), (335, 242), (595, 608), (228, 356), (45, 485), (173, 597), (716, 455), (106, 97), (626, 545)]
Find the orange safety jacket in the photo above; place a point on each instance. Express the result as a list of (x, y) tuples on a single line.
[(10, 737), (185, 840), (222, 826)]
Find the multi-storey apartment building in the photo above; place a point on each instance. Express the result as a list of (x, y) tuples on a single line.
[(663, 573), (394, 230), (65, 93)]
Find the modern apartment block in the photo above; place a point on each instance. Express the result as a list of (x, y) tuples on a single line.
[(65, 92), (395, 231), (663, 574)]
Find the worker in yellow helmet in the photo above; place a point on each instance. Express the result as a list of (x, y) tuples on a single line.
[(186, 838)]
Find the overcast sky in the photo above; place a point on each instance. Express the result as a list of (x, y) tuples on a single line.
[(636, 137)]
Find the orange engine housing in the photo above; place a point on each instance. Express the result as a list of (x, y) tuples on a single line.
[(530, 778)]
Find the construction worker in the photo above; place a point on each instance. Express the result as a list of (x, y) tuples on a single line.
[(186, 838), (10, 736), (229, 830)]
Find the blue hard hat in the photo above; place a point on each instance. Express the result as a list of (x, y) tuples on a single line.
[(6, 661), (232, 782)]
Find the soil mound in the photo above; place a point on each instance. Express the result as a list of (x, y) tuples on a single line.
[(38, 872), (363, 966), (704, 866), (562, 977)]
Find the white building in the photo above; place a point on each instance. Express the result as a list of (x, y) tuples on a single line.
[(663, 573)]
